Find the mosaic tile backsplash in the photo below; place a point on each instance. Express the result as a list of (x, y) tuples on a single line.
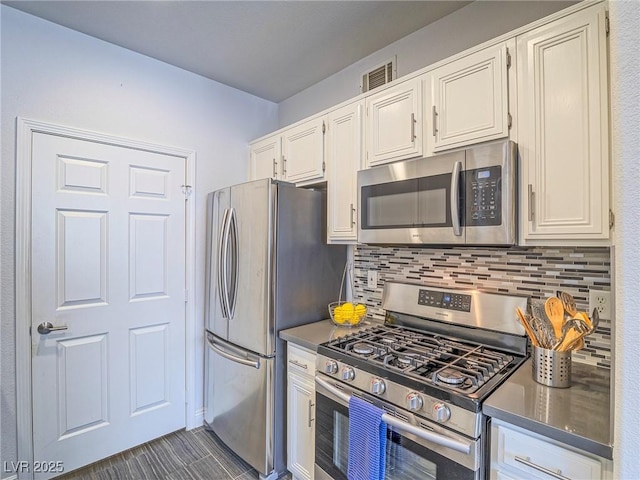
[(534, 272)]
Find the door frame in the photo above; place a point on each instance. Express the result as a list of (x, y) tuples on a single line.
[(25, 130)]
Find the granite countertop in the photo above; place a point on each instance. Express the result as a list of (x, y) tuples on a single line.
[(313, 334), (578, 416)]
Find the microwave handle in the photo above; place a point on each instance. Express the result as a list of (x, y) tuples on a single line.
[(455, 196)]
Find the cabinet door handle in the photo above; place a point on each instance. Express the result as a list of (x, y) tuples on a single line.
[(298, 364), (275, 167), (413, 127), (352, 214), (310, 413), (434, 116), (527, 461), (531, 204), (284, 166)]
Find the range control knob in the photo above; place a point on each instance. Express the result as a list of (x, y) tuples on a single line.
[(441, 413), (377, 386), (414, 402), (331, 367), (348, 373)]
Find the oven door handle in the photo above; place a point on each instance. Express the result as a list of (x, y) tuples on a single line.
[(433, 437)]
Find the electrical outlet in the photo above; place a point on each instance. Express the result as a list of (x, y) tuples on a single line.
[(600, 299), (372, 279)]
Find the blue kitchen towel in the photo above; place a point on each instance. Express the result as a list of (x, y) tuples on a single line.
[(367, 441)]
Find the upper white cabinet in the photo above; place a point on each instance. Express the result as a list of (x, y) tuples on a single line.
[(563, 129), (469, 99), (303, 152), (394, 123), (343, 155), (265, 156)]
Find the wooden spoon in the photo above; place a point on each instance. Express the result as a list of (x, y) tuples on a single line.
[(555, 311), (527, 327)]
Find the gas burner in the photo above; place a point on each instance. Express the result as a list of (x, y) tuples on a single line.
[(362, 348), (404, 360), (450, 376)]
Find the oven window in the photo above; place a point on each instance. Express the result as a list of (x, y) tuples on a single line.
[(405, 459), (417, 202)]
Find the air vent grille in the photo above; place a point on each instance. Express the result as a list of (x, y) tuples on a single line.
[(379, 76)]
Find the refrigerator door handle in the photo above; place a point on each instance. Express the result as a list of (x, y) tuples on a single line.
[(222, 264), (232, 293), (233, 358)]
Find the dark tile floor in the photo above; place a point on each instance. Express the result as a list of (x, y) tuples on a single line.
[(182, 455)]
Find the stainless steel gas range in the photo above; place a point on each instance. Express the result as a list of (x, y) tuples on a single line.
[(438, 355)]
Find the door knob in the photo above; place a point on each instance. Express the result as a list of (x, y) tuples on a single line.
[(47, 327)]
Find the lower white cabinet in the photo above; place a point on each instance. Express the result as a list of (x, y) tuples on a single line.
[(301, 411), (517, 453)]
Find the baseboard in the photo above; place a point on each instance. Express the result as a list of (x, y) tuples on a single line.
[(196, 420)]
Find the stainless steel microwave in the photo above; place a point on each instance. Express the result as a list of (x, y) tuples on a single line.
[(467, 197)]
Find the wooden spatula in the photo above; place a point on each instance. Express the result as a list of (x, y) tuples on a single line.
[(555, 311)]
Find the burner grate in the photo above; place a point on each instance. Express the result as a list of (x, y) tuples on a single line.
[(433, 359)]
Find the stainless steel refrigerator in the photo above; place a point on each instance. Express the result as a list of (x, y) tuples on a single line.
[(268, 268)]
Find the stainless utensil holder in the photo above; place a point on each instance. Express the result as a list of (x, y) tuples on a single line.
[(551, 367)]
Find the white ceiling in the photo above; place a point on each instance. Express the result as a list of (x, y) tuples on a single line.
[(272, 49)]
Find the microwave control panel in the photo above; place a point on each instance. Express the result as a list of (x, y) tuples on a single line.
[(483, 196)]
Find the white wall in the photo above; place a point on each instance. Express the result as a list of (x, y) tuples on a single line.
[(56, 75), (464, 28), (625, 132)]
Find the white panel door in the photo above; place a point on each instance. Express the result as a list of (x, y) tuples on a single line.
[(393, 126), (469, 100), (265, 157), (108, 250), (303, 152), (563, 128), (301, 429), (344, 146)]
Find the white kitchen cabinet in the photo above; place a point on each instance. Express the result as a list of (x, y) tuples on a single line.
[(343, 156), (264, 158), (303, 152), (518, 453), (468, 99), (393, 128), (300, 412), (563, 130)]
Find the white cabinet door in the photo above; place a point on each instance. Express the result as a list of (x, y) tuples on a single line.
[(264, 158), (343, 143), (469, 100), (394, 124), (563, 128), (303, 152), (300, 412), (518, 453)]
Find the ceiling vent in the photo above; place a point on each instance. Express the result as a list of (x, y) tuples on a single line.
[(379, 76)]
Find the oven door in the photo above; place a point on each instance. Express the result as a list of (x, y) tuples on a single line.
[(408, 456), (414, 201)]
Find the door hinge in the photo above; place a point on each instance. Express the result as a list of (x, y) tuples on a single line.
[(186, 190), (509, 120), (508, 59), (612, 219), (186, 296), (324, 128), (607, 25), (324, 166)]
